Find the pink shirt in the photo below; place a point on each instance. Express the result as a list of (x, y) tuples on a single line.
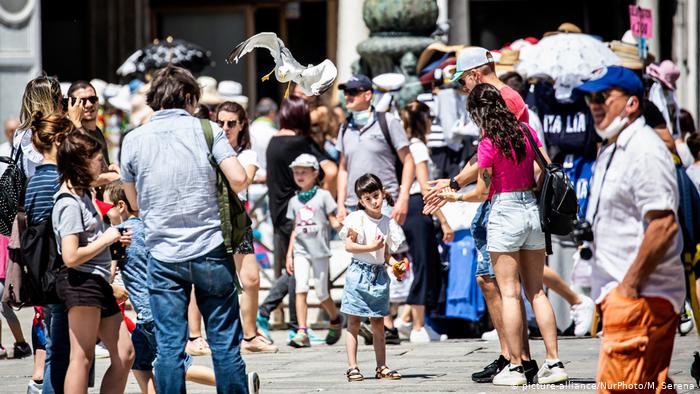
[(515, 103), (4, 243), (508, 175)]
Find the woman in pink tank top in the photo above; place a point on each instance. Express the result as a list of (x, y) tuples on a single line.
[(514, 236)]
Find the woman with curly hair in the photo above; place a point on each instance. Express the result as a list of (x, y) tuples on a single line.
[(515, 239)]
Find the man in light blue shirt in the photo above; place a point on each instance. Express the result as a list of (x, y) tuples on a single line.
[(168, 176)]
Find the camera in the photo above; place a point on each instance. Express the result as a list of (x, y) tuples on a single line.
[(117, 250), (583, 235)]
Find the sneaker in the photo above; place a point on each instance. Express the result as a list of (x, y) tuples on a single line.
[(101, 351), (490, 335), (301, 339), (253, 383), (258, 345), (510, 376), (366, 333), (391, 336), (3, 352), (34, 387), (403, 327), (434, 336), (419, 336), (486, 375), (313, 338), (530, 371), (198, 347), (582, 315), (550, 374), (21, 350), (334, 332), (686, 323), (263, 324)]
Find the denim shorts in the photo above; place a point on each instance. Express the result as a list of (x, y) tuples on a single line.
[(145, 348), (514, 223), (478, 230), (366, 290)]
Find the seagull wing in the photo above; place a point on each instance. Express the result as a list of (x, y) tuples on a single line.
[(315, 80), (268, 41)]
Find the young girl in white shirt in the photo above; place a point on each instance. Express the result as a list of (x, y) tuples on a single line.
[(371, 238)]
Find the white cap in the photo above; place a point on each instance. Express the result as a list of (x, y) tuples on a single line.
[(305, 160), (469, 58)]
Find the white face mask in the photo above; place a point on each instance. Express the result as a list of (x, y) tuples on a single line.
[(616, 126), (361, 117)]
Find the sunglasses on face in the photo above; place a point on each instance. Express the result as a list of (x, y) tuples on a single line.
[(353, 92), (229, 123), (84, 100)]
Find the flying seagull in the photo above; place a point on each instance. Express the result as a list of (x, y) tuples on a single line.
[(313, 80)]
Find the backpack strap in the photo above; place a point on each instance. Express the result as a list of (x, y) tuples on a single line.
[(209, 137), (381, 118), (541, 161)]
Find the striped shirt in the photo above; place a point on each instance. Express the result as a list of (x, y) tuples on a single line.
[(38, 201)]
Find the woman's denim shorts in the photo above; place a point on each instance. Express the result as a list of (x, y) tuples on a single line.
[(514, 223), (366, 291)]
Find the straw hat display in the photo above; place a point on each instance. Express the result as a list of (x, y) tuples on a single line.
[(210, 94)]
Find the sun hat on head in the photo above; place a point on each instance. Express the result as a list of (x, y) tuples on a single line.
[(305, 160), (470, 58)]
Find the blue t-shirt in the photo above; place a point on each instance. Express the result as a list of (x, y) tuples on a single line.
[(38, 200), (134, 270)]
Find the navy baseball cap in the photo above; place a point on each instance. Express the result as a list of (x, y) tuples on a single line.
[(356, 82), (613, 77)]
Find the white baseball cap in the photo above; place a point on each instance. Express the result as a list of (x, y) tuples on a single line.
[(305, 160), (469, 58)]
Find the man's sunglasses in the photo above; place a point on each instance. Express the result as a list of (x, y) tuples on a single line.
[(84, 100), (353, 92), (229, 123), (597, 98)]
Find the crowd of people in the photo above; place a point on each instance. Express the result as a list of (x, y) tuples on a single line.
[(149, 228)]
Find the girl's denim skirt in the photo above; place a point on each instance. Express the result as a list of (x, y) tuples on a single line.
[(366, 291)]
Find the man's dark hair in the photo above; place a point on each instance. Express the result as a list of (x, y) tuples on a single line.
[(694, 145), (295, 115), (170, 87), (77, 85), (265, 107)]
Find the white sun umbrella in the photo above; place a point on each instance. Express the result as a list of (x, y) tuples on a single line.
[(568, 58)]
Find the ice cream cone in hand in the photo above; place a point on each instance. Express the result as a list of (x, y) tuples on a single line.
[(399, 267)]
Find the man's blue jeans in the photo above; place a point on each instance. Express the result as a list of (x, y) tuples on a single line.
[(170, 285)]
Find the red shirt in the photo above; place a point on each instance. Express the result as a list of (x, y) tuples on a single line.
[(515, 103)]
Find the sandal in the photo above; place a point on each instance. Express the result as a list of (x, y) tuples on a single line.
[(354, 375), (384, 372)]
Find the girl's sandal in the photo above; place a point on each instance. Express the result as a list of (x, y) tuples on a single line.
[(354, 375), (384, 372)]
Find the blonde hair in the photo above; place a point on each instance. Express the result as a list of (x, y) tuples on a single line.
[(42, 94)]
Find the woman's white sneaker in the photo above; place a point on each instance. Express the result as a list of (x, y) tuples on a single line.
[(552, 373), (511, 376)]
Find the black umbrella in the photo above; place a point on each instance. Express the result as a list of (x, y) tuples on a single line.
[(161, 53)]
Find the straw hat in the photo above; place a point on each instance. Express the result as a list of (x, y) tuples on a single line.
[(507, 61), (210, 95), (626, 50), (565, 27), (428, 52)]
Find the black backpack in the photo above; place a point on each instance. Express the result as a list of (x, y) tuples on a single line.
[(557, 200), (41, 262), (13, 184)]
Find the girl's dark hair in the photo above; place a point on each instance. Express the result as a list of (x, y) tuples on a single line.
[(489, 111), (686, 122), (74, 153), (414, 116), (295, 115), (170, 87), (243, 139), (370, 183), (49, 129), (202, 112)]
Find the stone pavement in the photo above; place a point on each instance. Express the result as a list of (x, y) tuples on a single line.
[(427, 368)]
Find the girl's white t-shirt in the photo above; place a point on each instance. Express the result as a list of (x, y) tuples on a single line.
[(367, 229), (246, 158), (420, 153)]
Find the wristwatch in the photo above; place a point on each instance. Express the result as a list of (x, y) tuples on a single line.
[(454, 185)]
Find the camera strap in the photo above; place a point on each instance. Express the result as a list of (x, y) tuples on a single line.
[(607, 167)]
